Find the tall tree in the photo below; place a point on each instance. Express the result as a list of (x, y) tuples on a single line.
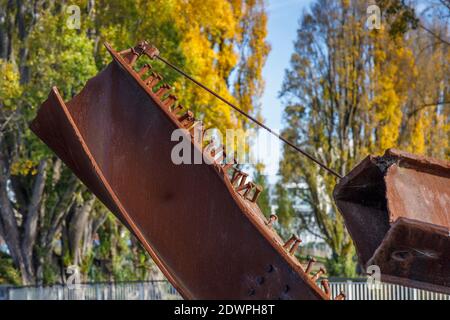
[(47, 218), (349, 92), (37, 192)]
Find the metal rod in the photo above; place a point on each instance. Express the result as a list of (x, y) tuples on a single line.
[(310, 157)]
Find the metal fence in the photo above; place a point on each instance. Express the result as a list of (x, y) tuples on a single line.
[(163, 290), (383, 291), (151, 290)]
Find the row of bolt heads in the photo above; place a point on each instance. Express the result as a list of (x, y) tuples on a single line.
[(291, 246)]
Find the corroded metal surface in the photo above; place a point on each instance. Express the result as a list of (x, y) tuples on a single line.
[(397, 210), (416, 254), (200, 225)]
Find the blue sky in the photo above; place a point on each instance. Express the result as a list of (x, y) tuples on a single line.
[(282, 27)]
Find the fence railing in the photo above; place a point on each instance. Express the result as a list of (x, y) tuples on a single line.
[(383, 291), (151, 290), (163, 290)]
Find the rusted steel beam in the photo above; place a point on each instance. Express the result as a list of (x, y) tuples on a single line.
[(207, 235), (397, 210)]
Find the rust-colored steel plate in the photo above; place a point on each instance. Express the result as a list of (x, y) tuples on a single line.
[(397, 210), (209, 240)]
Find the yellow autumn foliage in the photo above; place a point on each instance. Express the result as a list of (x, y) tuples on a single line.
[(219, 42), (9, 84), (392, 78), (23, 167)]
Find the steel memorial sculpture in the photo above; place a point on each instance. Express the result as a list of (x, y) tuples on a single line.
[(201, 224)]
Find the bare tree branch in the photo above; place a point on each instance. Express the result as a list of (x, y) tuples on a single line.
[(415, 111), (434, 34)]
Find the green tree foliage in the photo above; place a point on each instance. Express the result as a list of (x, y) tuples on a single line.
[(349, 92), (264, 199), (47, 218), (8, 273)]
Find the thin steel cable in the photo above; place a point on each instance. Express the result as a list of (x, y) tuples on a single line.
[(310, 157)]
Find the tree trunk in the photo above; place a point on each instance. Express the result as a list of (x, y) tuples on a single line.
[(8, 221), (31, 219), (77, 225)]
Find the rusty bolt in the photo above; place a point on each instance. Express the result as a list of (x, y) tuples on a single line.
[(151, 51), (272, 219), (126, 51), (295, 246), (141, 47), (162, 90), (177, 109), (258, 190), (310, 265), (188, 116), (153, 80), (289, 243), (292, 244), (132, 54), (340, 296), (170, 101), (144, 69), (318, 274), (326, 287), (134, 57), (138, 50), (228, 166), (249, 186), (239, 176), (150, 78)]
